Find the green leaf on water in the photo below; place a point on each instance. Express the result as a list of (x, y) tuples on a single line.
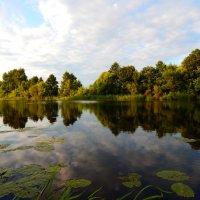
[(54, 169), (30, 169), (44, 147), (186, 139), (50, 140), (4, 146), (18, 148), (172, 175), (132, 180), (78, 183), (182, 190)]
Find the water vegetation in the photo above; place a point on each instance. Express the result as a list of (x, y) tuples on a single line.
[(36, 182), (132, 180), (172, 175), (178, 188), (4, 146), (42, 144), (182, 190)]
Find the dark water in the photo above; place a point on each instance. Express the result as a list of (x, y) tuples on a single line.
[(105, 140)]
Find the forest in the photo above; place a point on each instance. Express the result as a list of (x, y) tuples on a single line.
[(162, 81)]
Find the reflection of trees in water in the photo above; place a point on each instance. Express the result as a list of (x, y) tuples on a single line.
[(116, 116), (16, 113), (51, 111), (162, 117), (70, 112)]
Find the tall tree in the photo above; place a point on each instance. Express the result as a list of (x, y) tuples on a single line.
[(114, 67), (13, 79), (69, 84), (192, 62), (51, 86)]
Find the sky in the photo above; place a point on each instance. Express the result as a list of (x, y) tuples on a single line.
[(85, 37)]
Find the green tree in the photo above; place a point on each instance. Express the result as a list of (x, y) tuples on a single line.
[(192, 62), (69, 84), (114, 67), (147, 79), (197, 85), (12, 80), (37, 91), (33, 80), (127, 78), (192, 70), (51, 86)]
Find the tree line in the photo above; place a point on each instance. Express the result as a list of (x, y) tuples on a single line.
[(157, 81)]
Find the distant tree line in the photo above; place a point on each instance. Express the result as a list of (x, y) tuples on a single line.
[(16, 84), (158, 81)]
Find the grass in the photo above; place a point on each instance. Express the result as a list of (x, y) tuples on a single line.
[(172, 96), (108, 97)]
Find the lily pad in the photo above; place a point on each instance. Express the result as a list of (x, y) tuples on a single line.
[(51, 140), (189, 140), (18, 148), (172, 175), (44, 147), (4, 146), (78, 183), (182, 190), (132, 180)]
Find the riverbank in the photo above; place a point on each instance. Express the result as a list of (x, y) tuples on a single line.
[(139, 97)]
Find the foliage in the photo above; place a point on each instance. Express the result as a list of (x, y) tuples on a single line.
[(182, 190), (69, 85), (4, 146), (42, 145), (132, 180), (36, 182), (172, 175), (179, 189), (51, 86), (37, 91), (162, 81), (78, 183)]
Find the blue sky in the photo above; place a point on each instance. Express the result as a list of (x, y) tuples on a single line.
[(86, 37)]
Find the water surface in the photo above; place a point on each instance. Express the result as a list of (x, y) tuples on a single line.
[(104, 140)]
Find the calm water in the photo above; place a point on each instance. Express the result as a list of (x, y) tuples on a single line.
[(105, 140)]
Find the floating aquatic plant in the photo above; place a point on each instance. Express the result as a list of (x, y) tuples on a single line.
[(182, 190), (50, 140), (27, 181), (4, 146), (132, 180), (18, 148), (44, 147), (36, 182), (172, 175), (189, 140), (78, 183)]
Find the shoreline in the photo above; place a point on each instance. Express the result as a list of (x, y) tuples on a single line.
[(139, 97)]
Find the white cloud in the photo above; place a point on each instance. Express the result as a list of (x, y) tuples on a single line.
[(86, 37)]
